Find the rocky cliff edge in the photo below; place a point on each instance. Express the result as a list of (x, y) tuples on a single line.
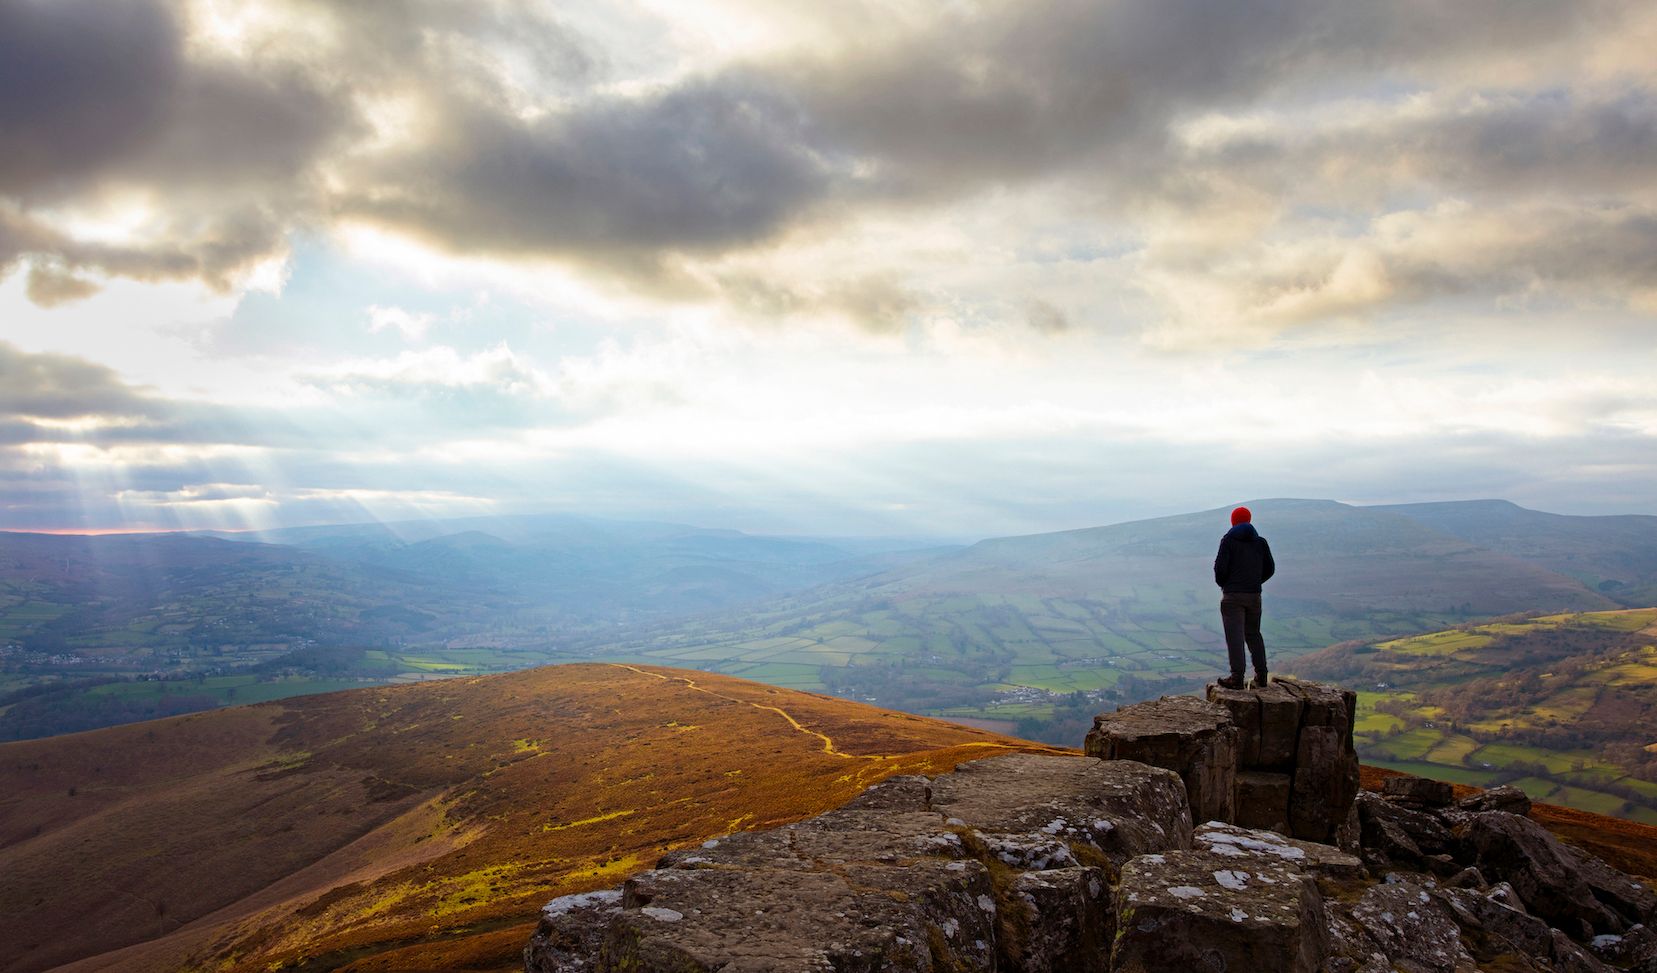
[(1057, 863)]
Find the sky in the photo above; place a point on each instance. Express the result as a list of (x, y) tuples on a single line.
[(916, 267)]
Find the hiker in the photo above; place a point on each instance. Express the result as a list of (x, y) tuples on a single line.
[(1243, 565)]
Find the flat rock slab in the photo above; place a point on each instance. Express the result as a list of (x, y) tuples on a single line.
[(931, 915), (1246, 845), (1202, 911), (897, 879), (1192, 737), (879, 837), (1504, 798), (1122, 808)]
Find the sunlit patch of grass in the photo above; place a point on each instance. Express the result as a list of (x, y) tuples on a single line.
[(1438, 643), (1453, 750), (595, 819)]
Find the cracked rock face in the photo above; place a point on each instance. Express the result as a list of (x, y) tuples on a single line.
[(1297, 771)]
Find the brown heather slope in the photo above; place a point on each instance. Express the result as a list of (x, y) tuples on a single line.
[(412, 827)]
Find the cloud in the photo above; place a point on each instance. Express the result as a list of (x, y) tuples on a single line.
[(63, 388), (49, 287), (502, 129), (412, 326)]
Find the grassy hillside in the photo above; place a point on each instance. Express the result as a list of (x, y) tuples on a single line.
[(408, 827), (1039, 631), (1564, 706)]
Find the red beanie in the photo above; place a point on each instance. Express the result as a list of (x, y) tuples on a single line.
[(1240, 516)]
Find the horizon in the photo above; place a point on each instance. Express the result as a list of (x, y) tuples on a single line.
[(779, 535), (861, 270)]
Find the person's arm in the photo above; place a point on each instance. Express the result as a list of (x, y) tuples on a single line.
[(1222, 564), (1268, 567)]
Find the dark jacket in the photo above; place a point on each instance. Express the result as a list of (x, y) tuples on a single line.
[(1244, 562)]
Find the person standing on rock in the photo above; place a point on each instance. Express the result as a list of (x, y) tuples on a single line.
[(1242, 567)]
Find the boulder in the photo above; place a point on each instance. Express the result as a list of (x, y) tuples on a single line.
[(1504, 937), (1418, 792), (1636, 946), (1383, 821), (1022, 803), (1417, 932), (1192, 737), (1542, 872), (1201, 911), (1504, 798), (1632, 901), (1263, 800), (1389, 843)]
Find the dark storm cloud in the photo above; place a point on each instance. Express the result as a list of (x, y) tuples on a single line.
[(710, 165), (99, 96), (83, 83), (517, 150), (1023, 92)]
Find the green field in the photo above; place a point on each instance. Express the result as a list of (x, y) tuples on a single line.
[(1561, 706)]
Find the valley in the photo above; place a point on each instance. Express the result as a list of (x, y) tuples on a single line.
[(1028, 636)]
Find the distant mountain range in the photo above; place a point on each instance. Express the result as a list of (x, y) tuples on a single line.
[(528, 578), (1008, 629), (1011, 628)]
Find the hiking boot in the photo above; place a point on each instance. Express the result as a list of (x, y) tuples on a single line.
[(1261, 681), (1230, 682)]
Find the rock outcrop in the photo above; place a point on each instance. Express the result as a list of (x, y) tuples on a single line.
[(1054, 863), (1007, 864), (1194, 739)]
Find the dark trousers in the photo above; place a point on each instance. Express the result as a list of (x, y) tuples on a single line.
[(1240, 615)]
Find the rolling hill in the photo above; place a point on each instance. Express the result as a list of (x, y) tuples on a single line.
[(1013, 629), (1030, 633), (408, 827)]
